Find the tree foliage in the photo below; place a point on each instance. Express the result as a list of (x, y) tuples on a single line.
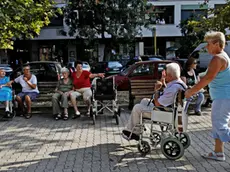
[(23, 19), (117, 18), (193, 29)]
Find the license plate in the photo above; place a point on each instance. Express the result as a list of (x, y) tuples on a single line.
[(116, 69)]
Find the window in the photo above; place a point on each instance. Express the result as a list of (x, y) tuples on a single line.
[(162, 15), (143, 69), (196, 14), (114, 64)]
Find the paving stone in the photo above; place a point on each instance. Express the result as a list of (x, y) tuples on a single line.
[(43, 144)]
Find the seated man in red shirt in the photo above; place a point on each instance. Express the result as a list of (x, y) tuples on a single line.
[(82, 86)]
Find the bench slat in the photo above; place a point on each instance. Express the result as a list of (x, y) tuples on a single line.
[(140, 84), (149, 87), (142, 81), (142, 93)]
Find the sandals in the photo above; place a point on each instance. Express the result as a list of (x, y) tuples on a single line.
[(218, 156), (58, 116), (28, 115), (76, 115), (65, 116), (7, 114)]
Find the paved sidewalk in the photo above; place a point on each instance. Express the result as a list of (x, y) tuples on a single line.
[(42, 144)]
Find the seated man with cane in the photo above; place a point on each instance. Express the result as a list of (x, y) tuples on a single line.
[(174, 84)]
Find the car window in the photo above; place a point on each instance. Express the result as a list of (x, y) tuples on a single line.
[(144, 69), (161, 67), (114, 64), (51, 67), (126, 71)]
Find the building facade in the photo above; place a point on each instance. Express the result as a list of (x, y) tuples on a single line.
[(52, 45)]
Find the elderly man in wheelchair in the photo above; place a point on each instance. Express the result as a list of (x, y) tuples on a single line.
[(146, 109)]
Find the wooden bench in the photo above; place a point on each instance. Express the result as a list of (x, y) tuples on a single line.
[(140, 89), (46, 89)]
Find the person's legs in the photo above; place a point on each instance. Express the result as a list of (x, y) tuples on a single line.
[(65, 105), (220, 130), (56, 104), (73, 97), (20, 99), (7, 106), (199, 102), (28, 103), (29, 97), (136, 114), (87, 94)]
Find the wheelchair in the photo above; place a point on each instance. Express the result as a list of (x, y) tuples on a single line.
[(172, 136), (12, 107), (104, 96)]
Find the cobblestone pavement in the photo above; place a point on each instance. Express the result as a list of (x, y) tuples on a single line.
[(42, 144)]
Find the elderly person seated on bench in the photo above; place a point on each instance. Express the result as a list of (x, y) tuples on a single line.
[(5, 91), (82, 86), (61, 95), (174, 84), (29, 92)]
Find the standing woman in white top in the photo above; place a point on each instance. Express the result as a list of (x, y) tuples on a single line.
[(29, 92)]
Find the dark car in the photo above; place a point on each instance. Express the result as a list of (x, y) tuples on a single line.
[(152, 57), (7, 69), (44, 70), (109, 68), (143, 70)]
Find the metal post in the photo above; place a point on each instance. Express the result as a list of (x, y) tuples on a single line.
[(155, 40)]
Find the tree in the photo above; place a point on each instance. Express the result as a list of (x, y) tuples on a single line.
[(190, 36), (23, 19), (193, 29), (121, 19)]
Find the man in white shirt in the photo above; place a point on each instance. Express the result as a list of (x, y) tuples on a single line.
[(174, 84), (29, 92)]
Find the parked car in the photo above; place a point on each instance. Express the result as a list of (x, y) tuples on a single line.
[(204, 57), (109, 68), (85, 65), (152, 57), (7, 69), (139, 71), (44, 70)]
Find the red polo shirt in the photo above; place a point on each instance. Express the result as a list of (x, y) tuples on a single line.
[(83, 81)]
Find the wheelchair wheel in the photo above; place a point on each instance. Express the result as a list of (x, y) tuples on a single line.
[(184, 139), (144, 147), (155, 138), (172, 148)]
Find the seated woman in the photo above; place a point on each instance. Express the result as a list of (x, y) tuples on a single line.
[(190, 77), (5, 91), (61, 95), (29, 92), (82, 86)]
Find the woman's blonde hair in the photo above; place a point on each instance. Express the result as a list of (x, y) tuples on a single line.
[(215, 37)]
